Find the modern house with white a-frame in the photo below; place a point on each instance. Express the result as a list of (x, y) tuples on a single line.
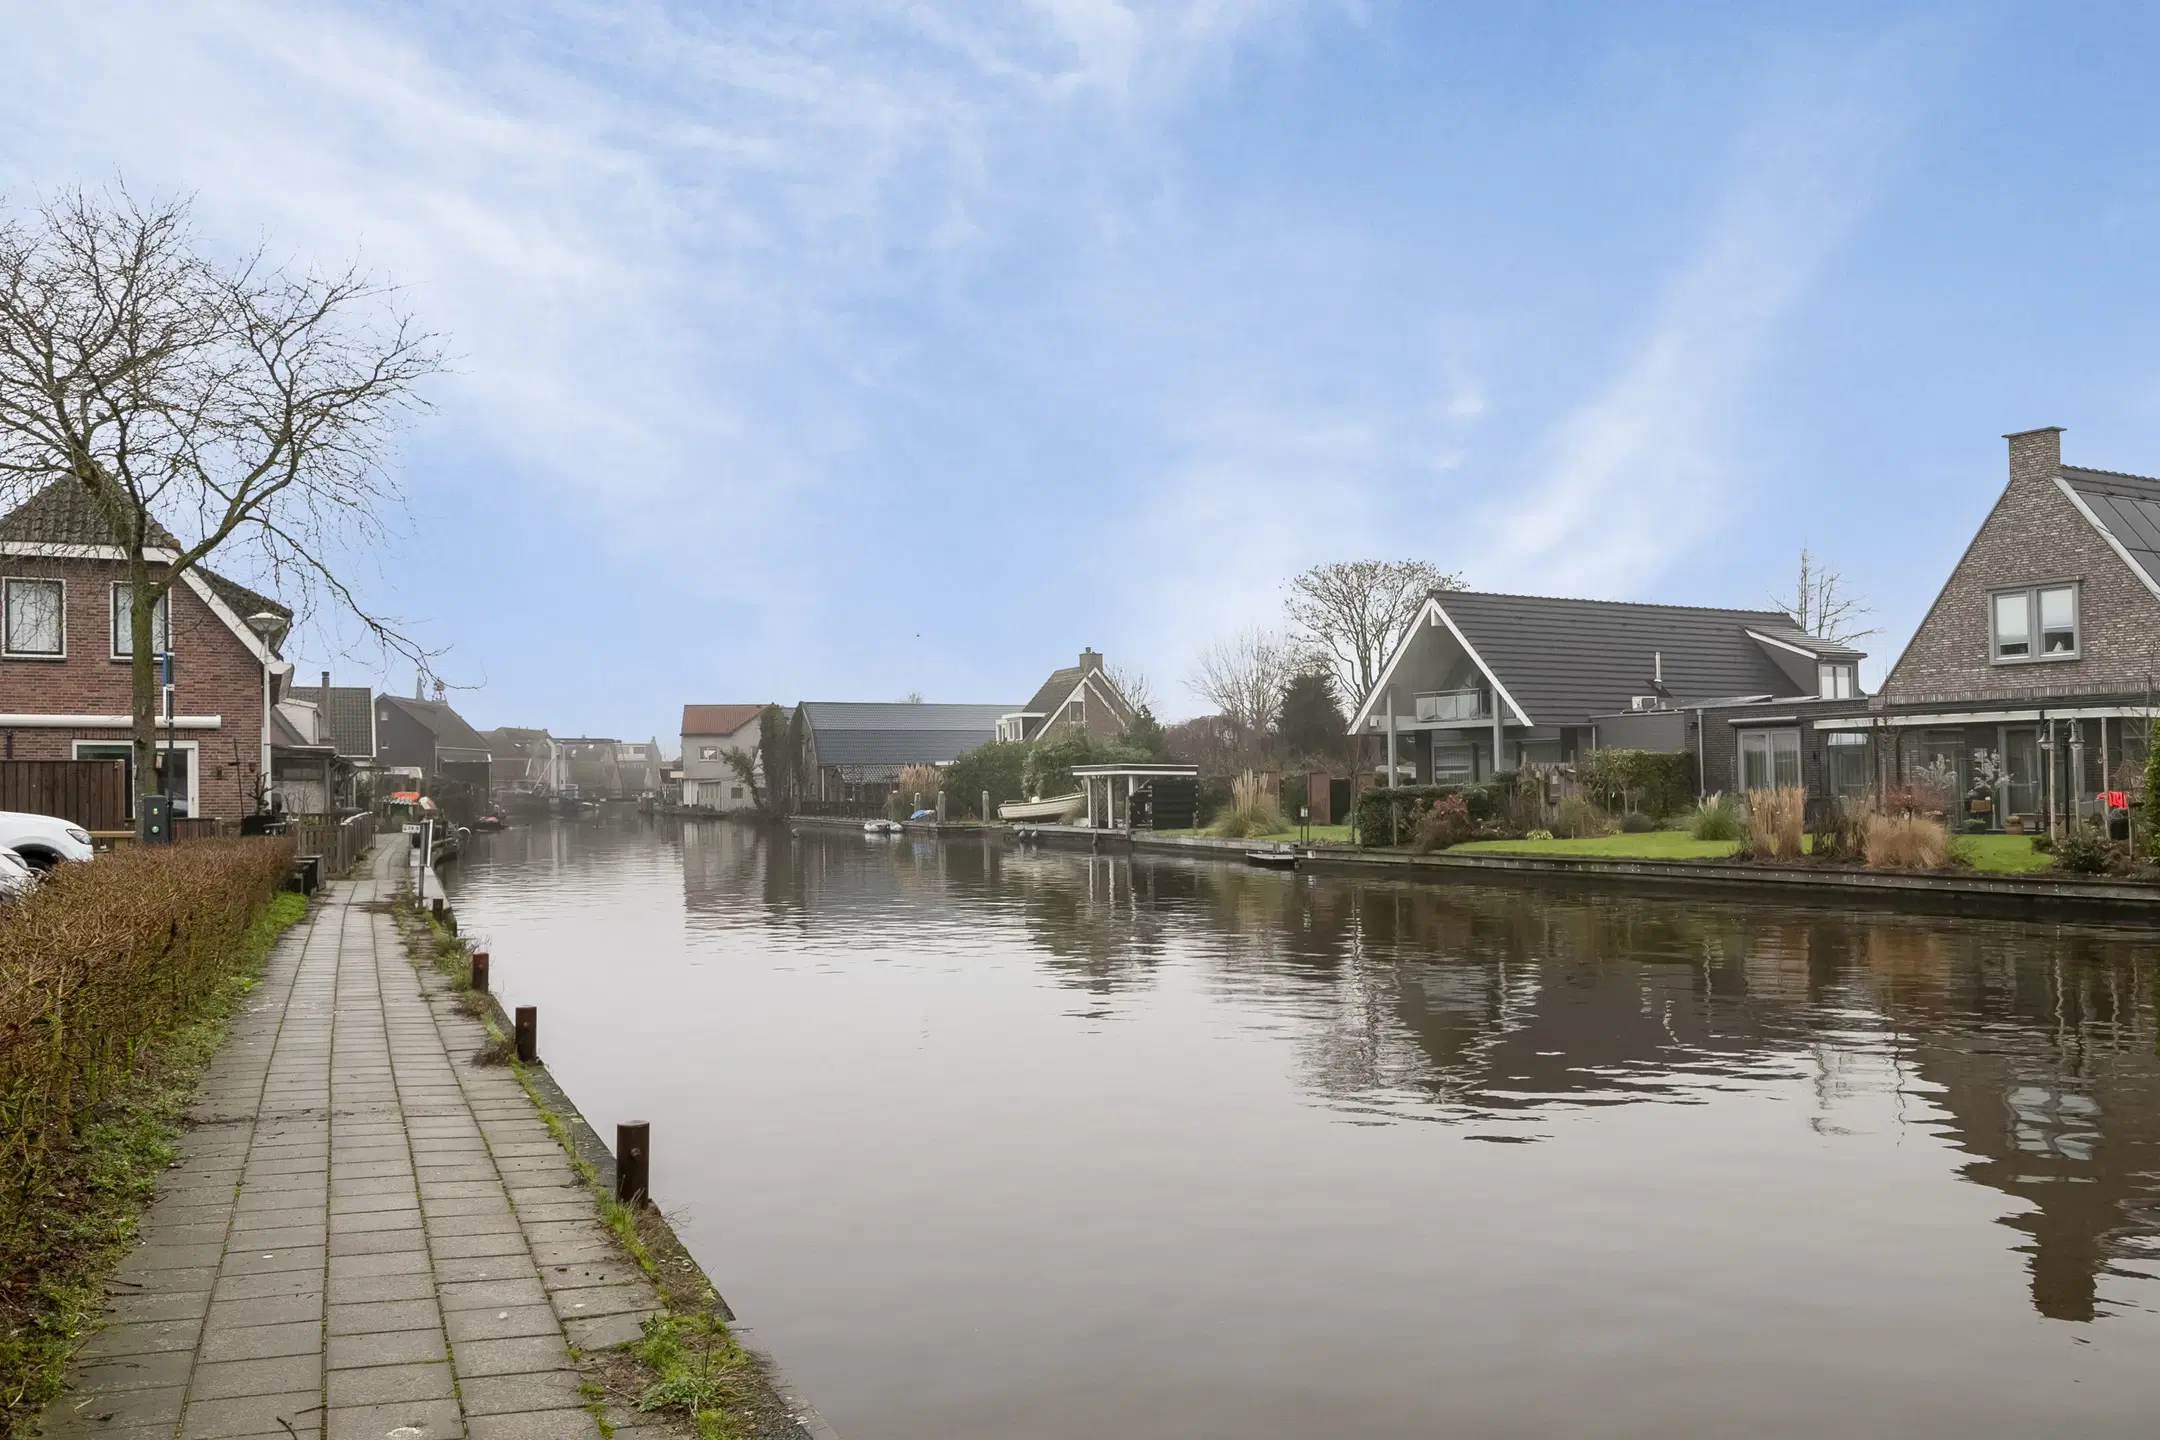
[(1485, 683)]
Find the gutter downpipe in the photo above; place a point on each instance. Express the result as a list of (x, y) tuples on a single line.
[(1702, 759), (1389, 697), (1499, 740)]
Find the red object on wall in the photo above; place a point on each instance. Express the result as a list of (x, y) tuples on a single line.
[(2114, 799)]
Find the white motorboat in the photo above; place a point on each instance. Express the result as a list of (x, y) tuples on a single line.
[(1054, 811)]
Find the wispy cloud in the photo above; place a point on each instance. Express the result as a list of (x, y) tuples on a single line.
[(1645, 469)]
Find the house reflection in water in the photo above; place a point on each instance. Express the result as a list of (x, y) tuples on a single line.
[(2029, 1048)]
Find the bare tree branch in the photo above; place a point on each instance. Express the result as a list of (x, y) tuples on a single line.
[(1243, 676), (1351, 614), (1820, 605), (203, 409)]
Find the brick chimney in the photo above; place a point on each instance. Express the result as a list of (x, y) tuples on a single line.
[(326, 687), (1089, 660), (2035, 455)]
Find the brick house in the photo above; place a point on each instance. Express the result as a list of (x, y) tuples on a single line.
[(2041, 654), (65, 648), (1077, 697)]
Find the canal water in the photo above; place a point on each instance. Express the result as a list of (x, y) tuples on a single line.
[(997, 1143)]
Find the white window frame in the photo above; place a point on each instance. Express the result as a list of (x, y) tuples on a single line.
[(193, 747), (1835, 680), (2035, 640), (1770, 738), (708, 752), (164, 604), (7, 617)]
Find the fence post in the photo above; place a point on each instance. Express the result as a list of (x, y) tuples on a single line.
[(528, 1034), (633, 1161), (986, 807), (480, 970)]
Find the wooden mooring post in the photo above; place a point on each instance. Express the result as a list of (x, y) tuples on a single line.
[(480, 970), (633, 1161), (528, 1034)]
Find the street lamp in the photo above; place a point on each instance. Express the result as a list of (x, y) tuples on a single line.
[(268, 625)]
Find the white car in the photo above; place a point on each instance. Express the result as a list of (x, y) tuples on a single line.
[(43, 841), (16, 876)]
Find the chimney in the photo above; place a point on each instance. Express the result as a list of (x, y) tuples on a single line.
[(1089, 660), (326, 687), (2035, 455), (1657, 666)]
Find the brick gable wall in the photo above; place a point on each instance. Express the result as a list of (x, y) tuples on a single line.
[(217, 676), (2033, 535)]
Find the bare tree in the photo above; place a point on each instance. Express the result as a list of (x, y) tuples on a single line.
[(1138, 690), (1820, 605), (1243, 676), (199, 406), (1351, 614)]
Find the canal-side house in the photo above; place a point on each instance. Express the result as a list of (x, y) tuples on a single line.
[(2031, 679), (590, 766), (1486, 683), (66, 653), (522, 761), (426, 739), (855, 750), (641, 768), (324, 722), (709, 732), (1079, 697)]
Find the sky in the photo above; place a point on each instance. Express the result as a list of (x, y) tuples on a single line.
[(850, 350)]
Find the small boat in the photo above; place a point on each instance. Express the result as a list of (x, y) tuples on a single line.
[(1055, 810), (883, 827), (489, 823), (1272, 859)]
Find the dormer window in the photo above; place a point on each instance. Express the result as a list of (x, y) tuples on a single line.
[(1834, 681), (2037, 623)]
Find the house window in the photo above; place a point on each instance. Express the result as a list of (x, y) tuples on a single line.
[(1834, 682), (1076, 711), (1845, 763), (2039, 623), (708, 752), (34, 623), (734, 792), (123, 622), (1769, 758), (185, 785)]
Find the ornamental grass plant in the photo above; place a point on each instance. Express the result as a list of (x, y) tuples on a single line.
[(1906, 842), (1776, 820), (1252, 810), (1717, 818)]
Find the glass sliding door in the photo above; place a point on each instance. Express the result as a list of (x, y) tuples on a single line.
[(1769, 759), (2024, 774)]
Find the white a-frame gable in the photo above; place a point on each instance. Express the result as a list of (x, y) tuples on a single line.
[(1427, 650)]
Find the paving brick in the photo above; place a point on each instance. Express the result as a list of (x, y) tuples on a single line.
[(432, 1419), (390, 1347), (524, 1355), (262, 1342), (272, 1375), (251, 1415), (506, 1323), (375, 1316), (562, 1424), (385, 1384)]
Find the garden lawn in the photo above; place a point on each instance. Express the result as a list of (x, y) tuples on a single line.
[(2002, 854), (1650, 845)]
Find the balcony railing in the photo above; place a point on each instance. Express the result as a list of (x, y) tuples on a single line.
[(1453, 705)]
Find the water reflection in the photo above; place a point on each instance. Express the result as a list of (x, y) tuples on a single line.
[(1507, 1017)]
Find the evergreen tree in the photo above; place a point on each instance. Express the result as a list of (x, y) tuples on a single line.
[(1145, 733), (1312, 724)]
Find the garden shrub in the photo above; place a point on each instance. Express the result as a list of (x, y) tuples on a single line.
[(1775, 821), (2152, 788), (1446, 822), (1389, 815), (1651, 781), (1579, 818), (2086, 850), (1717, 818), (998, 766), (1637, 823), (1841, 833)]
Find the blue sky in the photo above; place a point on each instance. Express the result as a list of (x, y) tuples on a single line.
[(845, 350)]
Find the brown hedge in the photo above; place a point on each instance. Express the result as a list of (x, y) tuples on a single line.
[(95, 963)]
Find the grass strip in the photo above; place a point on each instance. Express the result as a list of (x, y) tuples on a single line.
[(86, 1221)]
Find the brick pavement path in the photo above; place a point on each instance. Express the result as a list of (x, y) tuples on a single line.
[(366, 1236)]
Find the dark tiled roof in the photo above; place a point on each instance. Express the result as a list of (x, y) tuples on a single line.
[(1793, 635), (2128, 508), (511, 742), (65, 513), (455, 740), (851, 733), (1054, 690), (1564, 660), (347, 714)]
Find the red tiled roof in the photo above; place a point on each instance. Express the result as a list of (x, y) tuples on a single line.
[(718, 719)]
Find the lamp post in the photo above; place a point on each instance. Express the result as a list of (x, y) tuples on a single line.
[(268, 626)]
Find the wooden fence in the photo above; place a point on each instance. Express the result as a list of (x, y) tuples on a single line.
[(91, 793), (341, 843)]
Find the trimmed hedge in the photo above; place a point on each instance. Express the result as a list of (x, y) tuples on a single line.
[(1389, 816), (95, 964)]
